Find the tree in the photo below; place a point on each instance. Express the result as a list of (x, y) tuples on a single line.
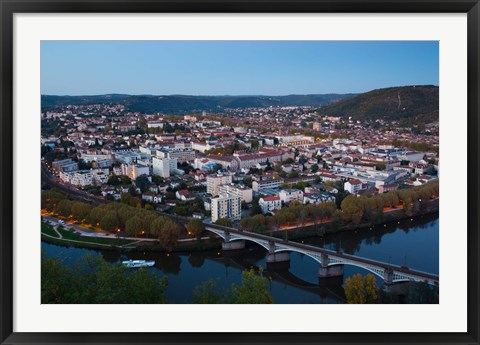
[(81, 210), (64, 207), (293, 174), (158, 180), (95, 215), (109, 221), (254, 289), (352, 209), (224, 222), (142, 182), (51, 198), (361, 289), (206, 293), (99, 283), (256, 209), (157, 225), (133, 226), (195, 227), (168, 235), (314, 168)]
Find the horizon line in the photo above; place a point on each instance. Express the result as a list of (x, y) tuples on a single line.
[(238, 95)]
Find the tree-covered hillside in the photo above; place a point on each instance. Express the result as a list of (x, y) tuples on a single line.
[(419, 103)]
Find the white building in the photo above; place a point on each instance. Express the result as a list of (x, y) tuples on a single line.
[(226, 206), (244, 192), (270, 203), (181, 155), (287, 195), (155, 124), (258, 186), (163, 166), (135, 170), (353, 186), (214, 181), (83, 178), (318, 198), (128, 157)]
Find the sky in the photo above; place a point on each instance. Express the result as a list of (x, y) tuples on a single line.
[(234, 67)]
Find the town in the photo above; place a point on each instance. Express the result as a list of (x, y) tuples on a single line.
[(240, 168)]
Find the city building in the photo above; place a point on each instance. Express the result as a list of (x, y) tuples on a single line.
[(134, 170), (244, 192), (258, 186), (214, 181), (287, 195), (269, 204), (163, 166), (317, 198), (65, 165), (180, 155), (83, 178), (226, 206)]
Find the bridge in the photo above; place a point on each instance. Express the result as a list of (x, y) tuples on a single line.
[(331, 262)]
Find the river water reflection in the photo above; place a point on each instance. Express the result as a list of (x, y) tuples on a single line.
[(413, 243)]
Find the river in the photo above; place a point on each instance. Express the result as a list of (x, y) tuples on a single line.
[(412, 242)]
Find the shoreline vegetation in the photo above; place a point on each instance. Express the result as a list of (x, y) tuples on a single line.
[(139, 229)]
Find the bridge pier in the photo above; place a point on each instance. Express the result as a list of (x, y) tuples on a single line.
[(278, 260), (233, 245), (388, 276), (329, 273)]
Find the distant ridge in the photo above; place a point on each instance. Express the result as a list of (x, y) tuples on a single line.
[(180, 104), (406, 103)]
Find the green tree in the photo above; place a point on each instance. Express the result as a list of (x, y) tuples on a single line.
[(224, 221), (64, 207), (110, 221), (97, 281), (195, 227), (134, 225), (168, 235), (206, 293), (81, 210), (254, 289), (158, 180), (361, 289), (352, 209), (51, 198), (142, 182), (293, 174)]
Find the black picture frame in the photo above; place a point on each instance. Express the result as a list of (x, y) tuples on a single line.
[(10, 7)]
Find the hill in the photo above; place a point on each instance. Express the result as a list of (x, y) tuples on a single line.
[(179, 104), (406, 104)]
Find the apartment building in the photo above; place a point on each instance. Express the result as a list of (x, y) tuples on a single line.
[(215, 181), (226, 206), (245, 193)]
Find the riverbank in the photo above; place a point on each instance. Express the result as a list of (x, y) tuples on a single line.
[(326, 228), (209, 242), (63, 237)]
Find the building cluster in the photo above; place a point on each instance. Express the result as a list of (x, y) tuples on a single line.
[(272, 157)]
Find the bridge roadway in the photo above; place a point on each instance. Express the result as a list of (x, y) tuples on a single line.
[(327, 258)]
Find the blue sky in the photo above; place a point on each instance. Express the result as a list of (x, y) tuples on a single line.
[(234, 67)]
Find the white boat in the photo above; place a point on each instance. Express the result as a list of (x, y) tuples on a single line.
[(138, 263)]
